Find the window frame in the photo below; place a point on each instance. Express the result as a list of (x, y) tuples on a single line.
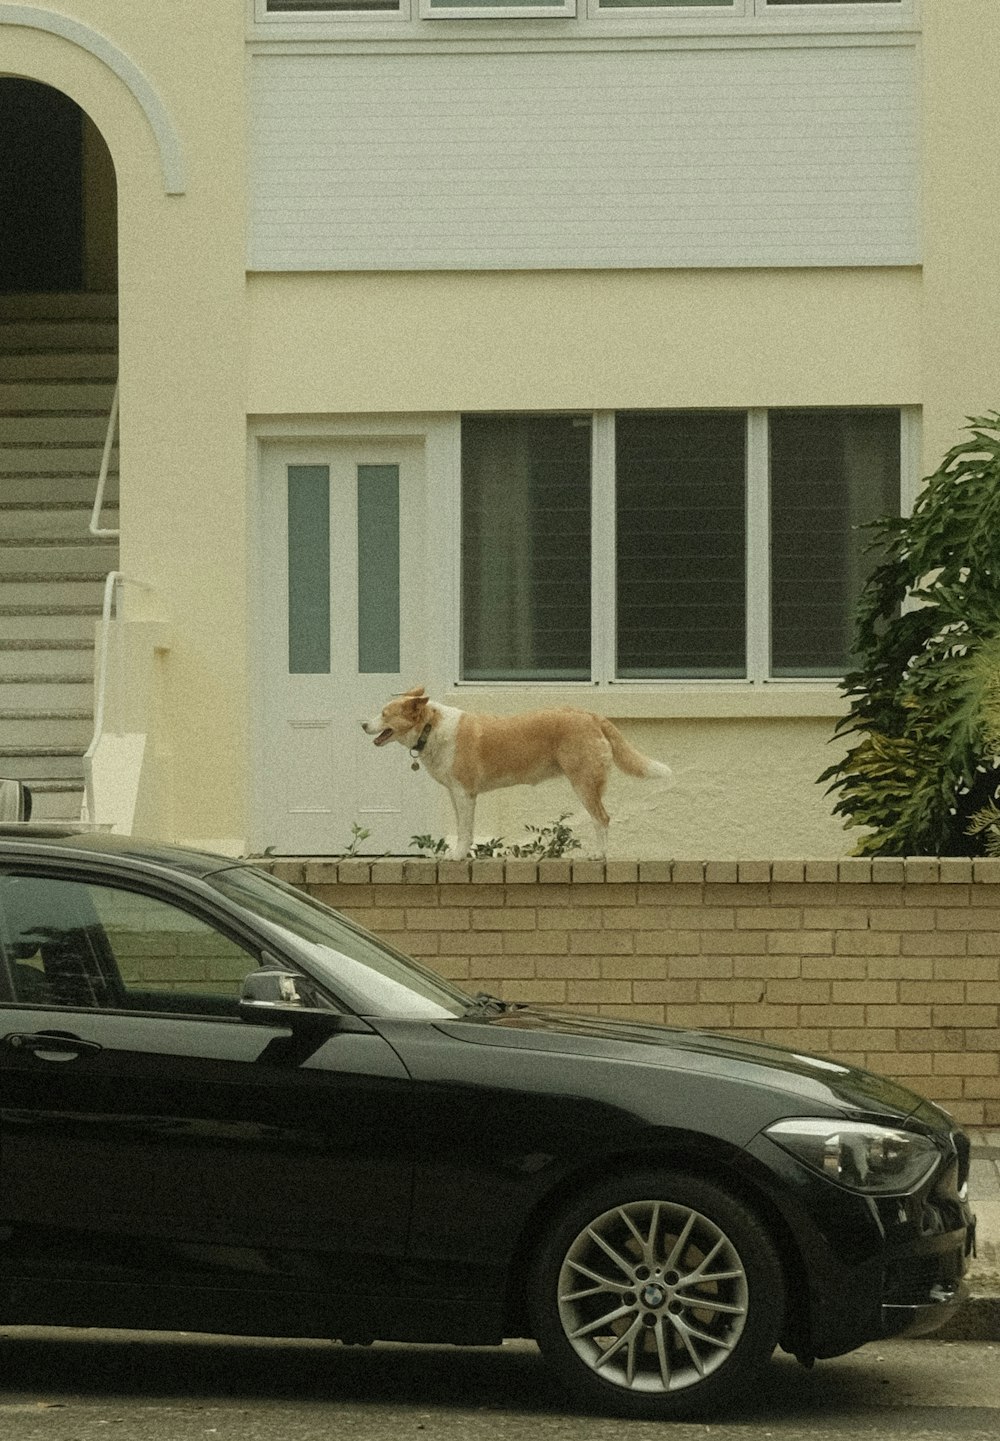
[(509, 10), (603, 560), (579, 18)]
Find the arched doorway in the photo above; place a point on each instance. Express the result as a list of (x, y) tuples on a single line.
[(58, 198), (58, 371)]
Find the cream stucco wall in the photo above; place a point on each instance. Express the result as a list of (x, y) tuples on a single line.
[(583, 340), (745, 766), (961, 353), (181, 309)]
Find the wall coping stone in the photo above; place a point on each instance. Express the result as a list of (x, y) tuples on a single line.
[(357, 870)]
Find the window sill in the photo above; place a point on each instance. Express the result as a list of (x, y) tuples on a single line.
[(575, 32), (669, 700)]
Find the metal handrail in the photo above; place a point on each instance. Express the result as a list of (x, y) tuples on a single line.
[(102, 479)]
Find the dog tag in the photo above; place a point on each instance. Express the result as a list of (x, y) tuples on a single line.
[(414, 765)]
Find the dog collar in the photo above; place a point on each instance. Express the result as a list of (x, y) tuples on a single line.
[(421, 742)]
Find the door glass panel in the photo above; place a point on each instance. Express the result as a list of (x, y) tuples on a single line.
[(308, 569), (378, 569)]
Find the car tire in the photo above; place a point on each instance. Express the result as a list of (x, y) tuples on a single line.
[(658, 1295)]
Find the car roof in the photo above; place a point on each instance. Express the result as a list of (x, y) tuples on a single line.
[(38, 840)]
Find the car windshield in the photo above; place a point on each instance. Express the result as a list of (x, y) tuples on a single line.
[(369, 977)]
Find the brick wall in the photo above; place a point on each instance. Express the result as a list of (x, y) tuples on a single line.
[(890, 964)]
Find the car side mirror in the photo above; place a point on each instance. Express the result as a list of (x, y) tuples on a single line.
[(273, 997)]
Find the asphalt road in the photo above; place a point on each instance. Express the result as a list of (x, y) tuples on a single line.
[(81, 1386)]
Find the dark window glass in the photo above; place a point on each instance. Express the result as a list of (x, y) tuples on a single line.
[(72, 943), (525, 547), (832, 471), (681, 544), (277, 7)]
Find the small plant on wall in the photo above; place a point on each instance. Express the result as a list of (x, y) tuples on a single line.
[(923, 774), (546, 843)]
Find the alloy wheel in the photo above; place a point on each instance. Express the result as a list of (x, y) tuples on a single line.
[(652, 1296)]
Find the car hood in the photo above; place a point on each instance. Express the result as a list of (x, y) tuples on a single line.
[(809, 1078)]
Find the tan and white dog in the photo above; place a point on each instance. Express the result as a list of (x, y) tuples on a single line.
[(471, 753)]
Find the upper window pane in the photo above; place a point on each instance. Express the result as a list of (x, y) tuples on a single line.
[(670, 4), (306, 7), (525, 547), (681, 544), (501, 9), (832, 471)]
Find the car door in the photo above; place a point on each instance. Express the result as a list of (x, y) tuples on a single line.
[(151, 1140)]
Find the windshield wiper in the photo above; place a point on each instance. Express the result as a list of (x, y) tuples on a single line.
[(483, 1004)]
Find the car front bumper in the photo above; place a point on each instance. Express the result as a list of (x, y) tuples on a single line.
[(920, 1318), (877, 1267), (923, 1293)]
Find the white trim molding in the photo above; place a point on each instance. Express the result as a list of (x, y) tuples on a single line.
[(29, 17)]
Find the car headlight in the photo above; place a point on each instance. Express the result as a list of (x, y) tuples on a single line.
[(877, 1160)]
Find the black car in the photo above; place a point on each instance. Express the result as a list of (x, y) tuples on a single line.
[(225, 1108)]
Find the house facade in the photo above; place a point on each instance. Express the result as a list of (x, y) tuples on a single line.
[(537, 353)]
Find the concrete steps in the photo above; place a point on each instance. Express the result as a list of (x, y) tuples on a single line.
[(36, 656), (58, 363), (54, 473), (49, 522), (73, 395), (39, 363)]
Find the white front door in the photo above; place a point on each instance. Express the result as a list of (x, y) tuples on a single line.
[(343, 577)]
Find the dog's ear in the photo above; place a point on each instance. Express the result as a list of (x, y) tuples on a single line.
[(418, 690), (415, 703)]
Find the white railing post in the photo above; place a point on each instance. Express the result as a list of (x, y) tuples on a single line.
[(102, 479), (111, 584)]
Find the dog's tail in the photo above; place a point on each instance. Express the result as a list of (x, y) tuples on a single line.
[(626, 757)]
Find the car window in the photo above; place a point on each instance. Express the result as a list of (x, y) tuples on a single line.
[(365, 972), (77, 943)]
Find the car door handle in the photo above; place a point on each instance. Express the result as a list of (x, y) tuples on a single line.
[(51, 1045)]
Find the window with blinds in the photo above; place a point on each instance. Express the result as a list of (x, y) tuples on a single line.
[(676, 489), (680, 485), (832, 472), (525, 547)]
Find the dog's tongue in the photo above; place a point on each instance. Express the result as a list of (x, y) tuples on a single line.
[(386, 735)]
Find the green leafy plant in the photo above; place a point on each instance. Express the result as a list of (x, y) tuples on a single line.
[(925, 696), (547, 843), (358, 835), (985, 822)]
